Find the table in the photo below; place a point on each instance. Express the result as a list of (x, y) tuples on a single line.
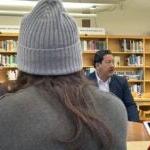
[(137, 137), (137, 132), (138, 145)]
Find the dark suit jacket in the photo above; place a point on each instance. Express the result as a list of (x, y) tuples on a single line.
[(119, 86)]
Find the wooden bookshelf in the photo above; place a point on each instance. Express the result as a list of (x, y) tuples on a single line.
[(90, 44), (127, 49), (8, 51)]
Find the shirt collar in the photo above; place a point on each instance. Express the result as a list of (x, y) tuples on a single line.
[(100, 80)]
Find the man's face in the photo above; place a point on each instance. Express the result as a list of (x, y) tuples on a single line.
[(106, 68)]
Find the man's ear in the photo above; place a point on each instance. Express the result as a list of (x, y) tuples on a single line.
[(97, 65)]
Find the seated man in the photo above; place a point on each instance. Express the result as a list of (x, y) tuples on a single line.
[(109, 82)]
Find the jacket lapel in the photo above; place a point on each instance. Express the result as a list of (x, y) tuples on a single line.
[(111, 87)]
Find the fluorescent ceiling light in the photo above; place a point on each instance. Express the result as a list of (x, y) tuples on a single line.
[(16, 13), (67, 5), (70, 5), (21, 13), (21, 7), (17, 3)]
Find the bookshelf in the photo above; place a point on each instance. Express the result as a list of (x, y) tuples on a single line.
[(89, 46), (8, 47), (131, 59), (131, 54)]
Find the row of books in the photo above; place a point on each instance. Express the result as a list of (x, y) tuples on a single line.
[(136, 88), (8, 60), (132, 75), (8, 45), (126, 45), (132, 60), (93, 45), (135, 60), (131, 45)]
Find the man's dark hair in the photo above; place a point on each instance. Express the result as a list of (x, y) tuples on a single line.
[(100, 55)]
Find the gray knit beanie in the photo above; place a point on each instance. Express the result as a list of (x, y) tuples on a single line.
[(49, 42)]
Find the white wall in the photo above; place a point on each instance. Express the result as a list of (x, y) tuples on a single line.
[(15, 20), (133, 18), (10, 20)]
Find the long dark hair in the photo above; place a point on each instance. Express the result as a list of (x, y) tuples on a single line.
[(71, 90)]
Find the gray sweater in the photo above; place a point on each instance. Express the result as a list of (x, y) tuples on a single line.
[(30, 121)]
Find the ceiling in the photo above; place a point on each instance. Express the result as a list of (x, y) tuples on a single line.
[(9, 8), (110, 5), (88, 1)]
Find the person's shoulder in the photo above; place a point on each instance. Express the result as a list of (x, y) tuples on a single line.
[(120, 79), (18, 100), (109, 106), (12, 104), (107, 101), (33, 103), (19, 94), (112, 112), (28, 109), (34, 98), (105, 97)]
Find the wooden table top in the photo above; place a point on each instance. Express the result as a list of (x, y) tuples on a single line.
[(137, 132), (138, 145)]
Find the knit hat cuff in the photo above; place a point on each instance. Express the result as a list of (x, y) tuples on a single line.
[(59, 61)]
